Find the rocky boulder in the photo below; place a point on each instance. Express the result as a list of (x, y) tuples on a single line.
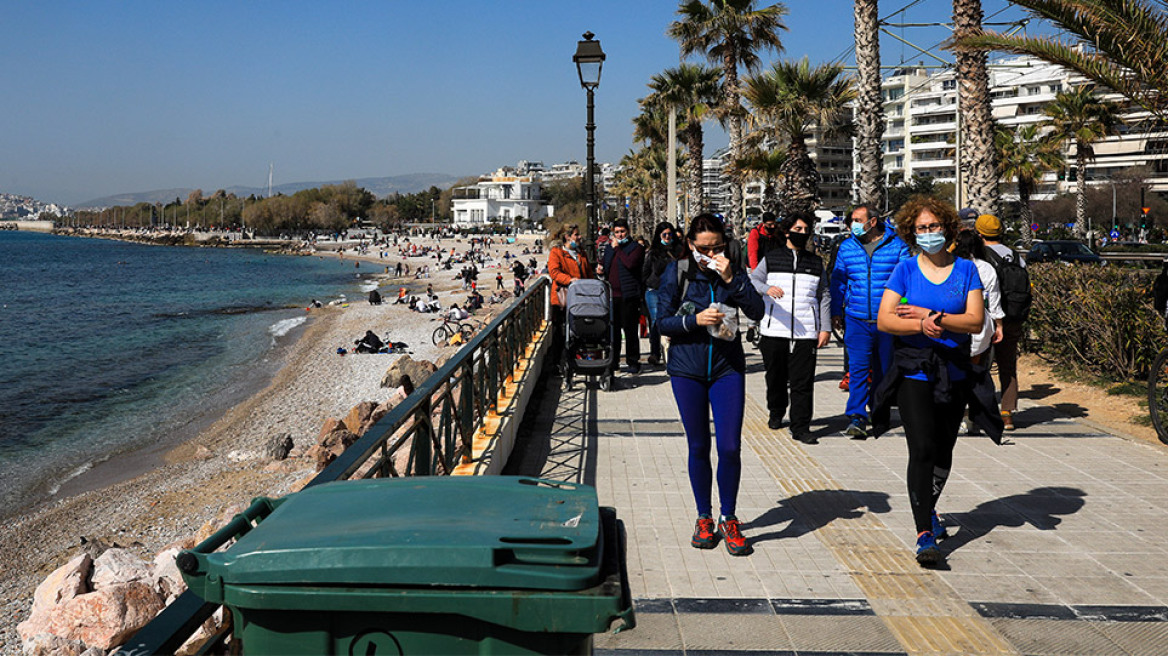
[(361, 417), (108, 617), (331, 446), (417, 370), (279, 447), (118, 566), (45, 644)]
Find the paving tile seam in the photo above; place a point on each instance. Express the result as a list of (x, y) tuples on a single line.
[(969, 633)]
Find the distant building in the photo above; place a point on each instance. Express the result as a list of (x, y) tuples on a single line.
[(502, 198), (566, 171)]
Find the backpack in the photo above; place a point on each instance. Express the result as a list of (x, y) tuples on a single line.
[(1014, 283)]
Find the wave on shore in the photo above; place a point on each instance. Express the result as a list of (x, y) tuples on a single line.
[(285, 326)]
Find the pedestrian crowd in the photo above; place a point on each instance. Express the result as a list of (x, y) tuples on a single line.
[(923, 303)]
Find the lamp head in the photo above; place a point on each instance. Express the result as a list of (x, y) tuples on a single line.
[(589, 59)]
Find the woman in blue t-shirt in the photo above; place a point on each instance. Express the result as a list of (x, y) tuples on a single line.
[(933, 303)]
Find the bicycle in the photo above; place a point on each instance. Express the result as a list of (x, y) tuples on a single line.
[(450, 328)]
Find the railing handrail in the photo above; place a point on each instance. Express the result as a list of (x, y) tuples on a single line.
[(480, 367)]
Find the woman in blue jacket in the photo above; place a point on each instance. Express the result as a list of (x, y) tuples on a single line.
[(707, 372)]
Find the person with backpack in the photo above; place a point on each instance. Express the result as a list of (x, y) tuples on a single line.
[(765, 236), (1014, 286), (664, 249), (707, 371)]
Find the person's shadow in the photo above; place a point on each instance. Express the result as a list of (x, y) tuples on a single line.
[(1041, 507), (808, 511)]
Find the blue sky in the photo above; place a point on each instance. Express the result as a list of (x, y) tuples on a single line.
[(109, 97)]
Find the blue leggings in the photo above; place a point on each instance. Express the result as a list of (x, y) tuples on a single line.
[(727, 397)]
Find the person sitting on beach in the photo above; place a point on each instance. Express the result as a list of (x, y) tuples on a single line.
[(456, 313), (474, 301), (374, 297), (370, 343), (401, 296)]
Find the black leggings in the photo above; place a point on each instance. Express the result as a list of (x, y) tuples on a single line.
[(930, 428)]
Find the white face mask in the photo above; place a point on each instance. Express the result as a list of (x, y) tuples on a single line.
[(702, 259)]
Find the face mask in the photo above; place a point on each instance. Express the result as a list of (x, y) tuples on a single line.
[(572, 244), (858, 228), (931, 242), (798, 239), (665, 240), (623, 241), (702, 259)]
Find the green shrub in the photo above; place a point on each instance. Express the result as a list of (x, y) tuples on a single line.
[(1095, 319)]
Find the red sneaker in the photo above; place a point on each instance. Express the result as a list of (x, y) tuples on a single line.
[(845, 382), (704, 536), (731, 533)]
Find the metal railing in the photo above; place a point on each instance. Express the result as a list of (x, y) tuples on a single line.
[(429, 433)]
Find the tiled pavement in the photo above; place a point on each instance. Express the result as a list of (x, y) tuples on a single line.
[(1059, 538)]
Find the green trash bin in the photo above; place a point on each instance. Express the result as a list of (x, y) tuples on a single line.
[(428, 565)]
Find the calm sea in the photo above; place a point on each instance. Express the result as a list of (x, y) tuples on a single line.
[(109, 348)]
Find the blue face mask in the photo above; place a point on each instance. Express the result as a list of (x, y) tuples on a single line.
[(858, 229), (931, 242), (624, 241), (572, 244)]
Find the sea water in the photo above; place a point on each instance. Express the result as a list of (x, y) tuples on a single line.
[(110, 348)]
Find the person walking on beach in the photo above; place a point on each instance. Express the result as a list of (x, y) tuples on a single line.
[(621, 262), (499, 280), (566, 264), (933, 303), (862, 267), (796, 292), (708, 372)]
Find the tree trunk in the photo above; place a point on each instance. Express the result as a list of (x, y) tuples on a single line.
[(1025, 213), (869, 104), (733, 107), (798, 187), (694, 144), (1080, 192), (977, 137)]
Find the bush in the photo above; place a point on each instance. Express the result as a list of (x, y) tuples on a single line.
[(1095, 320)]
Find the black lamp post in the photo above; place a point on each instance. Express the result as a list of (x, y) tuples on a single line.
[(589, 59)]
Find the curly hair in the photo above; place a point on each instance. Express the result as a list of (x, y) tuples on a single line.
[(906, 218), (791, 218)]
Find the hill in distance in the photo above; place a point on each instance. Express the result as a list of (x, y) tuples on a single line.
[(380, 187)]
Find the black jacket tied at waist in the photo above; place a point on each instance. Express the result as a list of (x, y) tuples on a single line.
[(977, 388)]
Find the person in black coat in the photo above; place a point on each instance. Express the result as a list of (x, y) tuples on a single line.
[(621, 263), (664, 249)]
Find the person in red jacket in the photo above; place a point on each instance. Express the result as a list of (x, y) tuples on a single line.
[(763, 237)]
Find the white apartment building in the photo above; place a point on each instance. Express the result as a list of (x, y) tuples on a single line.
[(502, 198), (921, 138)]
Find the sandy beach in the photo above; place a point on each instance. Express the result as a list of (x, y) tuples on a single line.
[(225, 466)]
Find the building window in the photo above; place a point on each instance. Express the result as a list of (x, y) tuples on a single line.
[(948, 85)]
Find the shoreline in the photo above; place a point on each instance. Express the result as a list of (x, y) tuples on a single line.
[(185, 486)]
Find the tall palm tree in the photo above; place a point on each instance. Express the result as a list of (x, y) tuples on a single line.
[(1126, 45), (1079, 117), (692, 90), (766, 165), (730, 33), (796, 102), (1025, 155), (975, 115), (870, 103)]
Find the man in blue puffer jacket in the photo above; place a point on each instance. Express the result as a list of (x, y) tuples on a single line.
[(863, 265)]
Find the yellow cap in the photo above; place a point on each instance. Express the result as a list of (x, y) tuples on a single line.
[(989, 225)]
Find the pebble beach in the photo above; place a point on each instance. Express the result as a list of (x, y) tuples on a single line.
[(201, 482)]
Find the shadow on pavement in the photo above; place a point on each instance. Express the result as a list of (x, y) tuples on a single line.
[(1041, 507), (809, 511), (1039, 391)]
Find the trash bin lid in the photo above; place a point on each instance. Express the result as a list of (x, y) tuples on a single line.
[(479, 532)]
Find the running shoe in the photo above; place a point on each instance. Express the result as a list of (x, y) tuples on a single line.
[(928, 553), (939, 530), (731, 533), (845, 382), (704, 536), (858, 429), (1008, 420)]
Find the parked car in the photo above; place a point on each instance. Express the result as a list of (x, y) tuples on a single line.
[(1063, 251)]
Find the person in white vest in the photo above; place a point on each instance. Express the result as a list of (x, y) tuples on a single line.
[(797, 293)]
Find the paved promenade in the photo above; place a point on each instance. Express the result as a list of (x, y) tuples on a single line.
[(1059, 538)]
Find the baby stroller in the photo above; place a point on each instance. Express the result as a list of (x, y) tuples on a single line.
[(588, 334)]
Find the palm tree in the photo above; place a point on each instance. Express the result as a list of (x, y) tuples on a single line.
[(796, 102), (1078, 116), (766, 165), (1025, 155), (691, 89), (730, 33), (870, 103), (977, 129), (1126, 45)]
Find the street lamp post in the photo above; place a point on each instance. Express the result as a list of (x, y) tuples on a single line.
[(589, 59)]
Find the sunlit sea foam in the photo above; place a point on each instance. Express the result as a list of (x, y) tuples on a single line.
[(284, 326), (70, 476)]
